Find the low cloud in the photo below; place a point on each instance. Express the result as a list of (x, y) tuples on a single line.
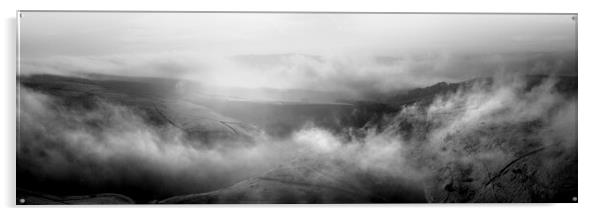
[(483, 126), (357, 76), (111, 147)]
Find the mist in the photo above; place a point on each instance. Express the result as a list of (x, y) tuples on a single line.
[(349, 76), (298, 107), (357, 55), (109, 146)]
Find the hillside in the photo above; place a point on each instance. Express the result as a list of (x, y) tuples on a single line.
[(474, 141)]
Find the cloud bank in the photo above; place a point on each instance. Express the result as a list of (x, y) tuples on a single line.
[(357, 76), (473, 132)]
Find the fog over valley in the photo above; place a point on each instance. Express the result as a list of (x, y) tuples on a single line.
[(174, 108)]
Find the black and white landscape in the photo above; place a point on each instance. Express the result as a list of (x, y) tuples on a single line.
[(190, 108)]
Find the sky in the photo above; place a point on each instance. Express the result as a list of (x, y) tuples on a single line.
[(201, 46)]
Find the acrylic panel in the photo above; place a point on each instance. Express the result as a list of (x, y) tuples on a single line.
[(118, 107)]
